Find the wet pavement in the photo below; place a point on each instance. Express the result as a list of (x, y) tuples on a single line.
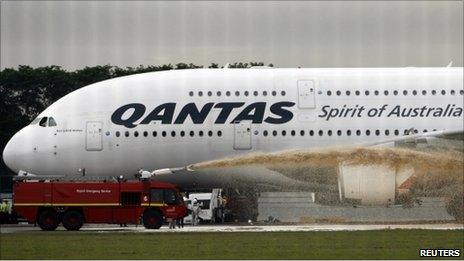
[(106, 228)]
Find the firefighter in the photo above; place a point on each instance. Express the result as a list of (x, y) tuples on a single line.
[(195, 212), (4, 212), (172, 223), (180, 222), (4, 207)]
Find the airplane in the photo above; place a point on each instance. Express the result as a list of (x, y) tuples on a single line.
[(162, 122)]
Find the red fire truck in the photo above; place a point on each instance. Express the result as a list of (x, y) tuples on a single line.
[(73, 203)]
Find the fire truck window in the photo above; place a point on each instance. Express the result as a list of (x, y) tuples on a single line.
[(170, 197), (156, 195), (204, 203), (130, 198)]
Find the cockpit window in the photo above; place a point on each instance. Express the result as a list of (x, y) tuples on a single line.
[(36, 120), (51, 122), (43, 122)]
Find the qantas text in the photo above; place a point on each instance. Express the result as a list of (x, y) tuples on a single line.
[(127, 115)]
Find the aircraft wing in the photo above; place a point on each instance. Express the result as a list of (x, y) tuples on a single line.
[(232, 176), (416, 138), (262, 169)]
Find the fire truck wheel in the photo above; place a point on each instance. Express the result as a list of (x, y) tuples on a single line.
[(72, 220), (48, 220), (152, 219)]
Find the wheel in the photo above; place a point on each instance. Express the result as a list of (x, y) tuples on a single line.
[(72, 220), (152, 219), (48, 220)]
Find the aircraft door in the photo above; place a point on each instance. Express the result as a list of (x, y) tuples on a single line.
[(306, 94), (242, 135), (93, 136)]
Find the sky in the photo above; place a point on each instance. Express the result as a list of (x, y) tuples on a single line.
[(75, 34)]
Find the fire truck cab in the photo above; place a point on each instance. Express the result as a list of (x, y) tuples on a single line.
[(73, 203)]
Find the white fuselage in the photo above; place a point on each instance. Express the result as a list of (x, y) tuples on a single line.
[(231, 112)]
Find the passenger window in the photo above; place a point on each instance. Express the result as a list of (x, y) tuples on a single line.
[(265, 133), (182, 133), (145, 133), (43, 122), (219, 133), (246, 93), (302, 132), (284, 133), (293, 133), (118, 134), (376, 92), (136, 133), (274, 93), (126, 134), (155, 134), (173, 133)]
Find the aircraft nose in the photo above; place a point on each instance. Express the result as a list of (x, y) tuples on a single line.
[(9, 155)]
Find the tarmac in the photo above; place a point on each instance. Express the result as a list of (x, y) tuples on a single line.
[(106, 228)]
